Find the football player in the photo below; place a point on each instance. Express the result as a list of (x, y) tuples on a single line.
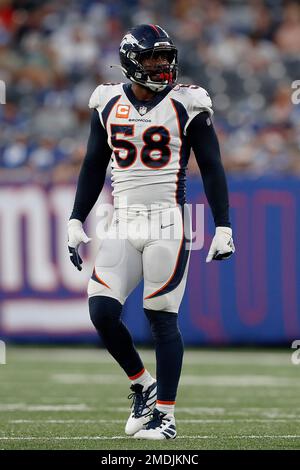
[(146, 128)]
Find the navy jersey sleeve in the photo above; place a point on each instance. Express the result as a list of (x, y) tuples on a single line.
[(93, 170), (204, 142)]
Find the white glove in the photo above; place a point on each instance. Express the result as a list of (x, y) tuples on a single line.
[(76, 235), (222, 246)]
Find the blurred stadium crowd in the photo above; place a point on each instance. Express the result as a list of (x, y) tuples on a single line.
[(54, 53)]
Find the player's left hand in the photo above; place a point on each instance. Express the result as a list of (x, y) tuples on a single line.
[(76, 235), (222, 246)]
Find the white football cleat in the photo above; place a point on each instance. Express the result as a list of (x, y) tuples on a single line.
[(162, 426), (144, 401)]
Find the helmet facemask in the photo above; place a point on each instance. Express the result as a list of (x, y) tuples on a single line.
[(155, 76)]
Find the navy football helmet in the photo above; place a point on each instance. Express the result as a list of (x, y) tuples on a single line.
[(148, 41)]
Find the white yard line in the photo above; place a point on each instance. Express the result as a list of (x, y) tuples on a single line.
[(106, 438), (186, 380), (87, 379), (239, 380), (201, 357), (65, 421), (262, 413), (24, 407), (194, 410), (185, 421), (265, 412), (203, 399)]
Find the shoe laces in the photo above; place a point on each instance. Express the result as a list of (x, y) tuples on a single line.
[(156, 420), (139, 400)]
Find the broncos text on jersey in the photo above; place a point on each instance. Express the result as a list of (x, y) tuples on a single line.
[(149, 143)]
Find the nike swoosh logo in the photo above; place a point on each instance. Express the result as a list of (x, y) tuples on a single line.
[(165, 226)]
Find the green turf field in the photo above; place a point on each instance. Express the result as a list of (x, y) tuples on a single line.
[(70, 398)]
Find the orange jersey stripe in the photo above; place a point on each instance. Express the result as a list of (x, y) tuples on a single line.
[(180, 150), (174, 271), (101, 280)]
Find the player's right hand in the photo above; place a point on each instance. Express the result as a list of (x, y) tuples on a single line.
[(76, 235)]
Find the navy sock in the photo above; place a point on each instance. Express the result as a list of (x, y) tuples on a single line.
[(169, 353), (105, 314)]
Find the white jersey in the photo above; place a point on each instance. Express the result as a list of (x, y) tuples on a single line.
[(150, 150)]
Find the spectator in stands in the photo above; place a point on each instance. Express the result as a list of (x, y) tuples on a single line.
[(52, 56)]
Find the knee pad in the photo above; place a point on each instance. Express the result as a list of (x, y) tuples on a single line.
[(105, 312), (164, 325)]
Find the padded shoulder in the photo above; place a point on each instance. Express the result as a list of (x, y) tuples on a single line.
[(103, 93), (200, 99), (195, 99)]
